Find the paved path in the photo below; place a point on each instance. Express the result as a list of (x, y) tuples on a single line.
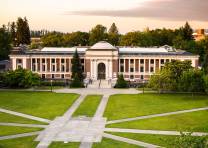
[(130, 141), (23, 125), (54, 128), (156, 115), (101, 108), (103, 91), (86, 145), (19, 135), (156, 132), (73, 108), (24, 115)]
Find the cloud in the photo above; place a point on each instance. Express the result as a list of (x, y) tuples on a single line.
[(189, 10)]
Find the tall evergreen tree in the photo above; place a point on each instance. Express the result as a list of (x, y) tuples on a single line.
[(5, 41), (77, 73), (27, 31), (113, 29), (13, 33), (23, 31), (113, 34)]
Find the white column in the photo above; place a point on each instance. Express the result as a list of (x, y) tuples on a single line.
[(14, 63), (41, 66), (149, 64), (159, 64), (154, 65), (64, 64), (139, 66), (31, 64), (95, 69), (111, 69), (144, 66), (24, 63), (124, 66), (50, 64), (36, 65)]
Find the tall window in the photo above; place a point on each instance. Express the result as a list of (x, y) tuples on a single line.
[(121, 68), (141, 69), (142, 61), (152, 61)]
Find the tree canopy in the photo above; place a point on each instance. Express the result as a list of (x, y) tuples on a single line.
[(5, 40)]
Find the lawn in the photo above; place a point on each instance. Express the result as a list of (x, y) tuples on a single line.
[(109, 143), (24, 142), (4, 117), (41, 104), (12, 130), (64, 145), (127, 106), (194, 121), (160, 140), (89, 106)]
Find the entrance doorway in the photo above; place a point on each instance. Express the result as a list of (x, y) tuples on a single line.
[(101, 71)]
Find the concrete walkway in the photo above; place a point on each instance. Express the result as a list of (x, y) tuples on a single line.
[(23, 125), (101, 108), (48, 135), (130, 141), (156, 115), (155, 132), (24, 115), (73, 108), (19, 135)]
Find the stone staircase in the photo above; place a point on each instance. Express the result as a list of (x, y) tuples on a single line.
[(100, 84)]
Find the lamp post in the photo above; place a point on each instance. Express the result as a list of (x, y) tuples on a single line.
[(51, 85)]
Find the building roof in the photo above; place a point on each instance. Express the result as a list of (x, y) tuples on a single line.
[(103, 45), (57, 49)]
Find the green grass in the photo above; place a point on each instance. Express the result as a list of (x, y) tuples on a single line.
[(41, 104), (128, 106), (89, 106), (109, 143), (12, 130), (160, 140), (64, 145), (24, 142), (4, 117), (194, 121), (48, 87)]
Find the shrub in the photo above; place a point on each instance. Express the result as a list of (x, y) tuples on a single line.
[(188, 141), (206, 83), (21, 78), (121, 83)]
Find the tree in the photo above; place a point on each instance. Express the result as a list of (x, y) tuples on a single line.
[(98, 33), (76, 82), (77, 73), (121, 83), (5, 40), (205, 78), (21, 78), (204, 55), (192, 81), (76, 39), (13, 33), (54, 39), (169, 77), (23, 31), (113, 29), (185, 32), (113, 35)]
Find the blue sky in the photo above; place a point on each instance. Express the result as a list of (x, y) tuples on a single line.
[(129, 15)]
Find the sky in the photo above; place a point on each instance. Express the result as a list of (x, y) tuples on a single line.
[(129, 15)]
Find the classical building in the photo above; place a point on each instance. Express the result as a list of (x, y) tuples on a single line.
[(100, 61)]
